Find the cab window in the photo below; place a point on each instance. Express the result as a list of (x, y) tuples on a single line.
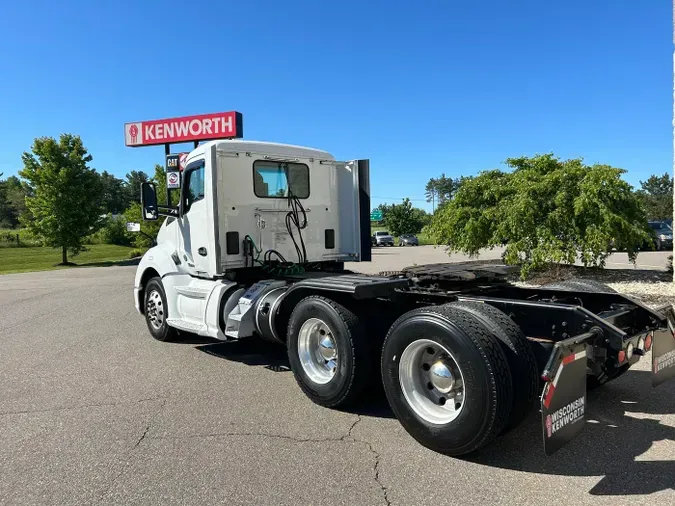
[(280, 179), (194, 186)]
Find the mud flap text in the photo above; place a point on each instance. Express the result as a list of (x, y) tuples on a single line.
[(563, 402), (663, 351)]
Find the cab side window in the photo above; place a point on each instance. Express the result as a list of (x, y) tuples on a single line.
[(194, 186)]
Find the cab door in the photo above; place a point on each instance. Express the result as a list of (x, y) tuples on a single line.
[(193, 221)]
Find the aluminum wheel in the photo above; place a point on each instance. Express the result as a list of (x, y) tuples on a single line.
[(154, 309), (431, 381), (317, 351)]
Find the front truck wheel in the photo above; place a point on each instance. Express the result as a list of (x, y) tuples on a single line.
[(156, 311), (446, 379), (328, 351)]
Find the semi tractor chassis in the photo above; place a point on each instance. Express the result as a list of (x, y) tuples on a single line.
[(463, 354)]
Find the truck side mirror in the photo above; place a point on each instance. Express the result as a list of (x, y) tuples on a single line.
[(149, 201)]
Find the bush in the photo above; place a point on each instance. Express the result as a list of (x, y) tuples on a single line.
[(17, 238), (136, 253), (547, 211), (114, 232)]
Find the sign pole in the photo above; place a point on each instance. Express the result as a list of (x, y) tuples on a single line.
[(167, 151)]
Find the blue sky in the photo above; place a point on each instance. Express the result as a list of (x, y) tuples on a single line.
[(420, 88)]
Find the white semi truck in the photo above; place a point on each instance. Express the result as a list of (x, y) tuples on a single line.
[(257, 246)]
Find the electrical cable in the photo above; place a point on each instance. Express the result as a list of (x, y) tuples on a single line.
[(293, 218)]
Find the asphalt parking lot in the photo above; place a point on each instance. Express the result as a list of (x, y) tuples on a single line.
[(94, 411)]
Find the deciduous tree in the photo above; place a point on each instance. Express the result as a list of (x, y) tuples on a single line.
[(64, 193), (404, 218)]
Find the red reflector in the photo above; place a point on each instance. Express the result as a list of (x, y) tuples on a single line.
[(648, 341), (569, 359), (622, 357)]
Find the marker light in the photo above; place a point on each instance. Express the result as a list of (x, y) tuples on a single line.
[(648, 342), (629, 351), (622, 357)]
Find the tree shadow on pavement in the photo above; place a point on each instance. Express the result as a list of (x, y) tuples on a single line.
[(107, 263), (618, 430)]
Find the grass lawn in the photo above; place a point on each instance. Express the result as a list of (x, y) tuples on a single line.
[(42, 259)]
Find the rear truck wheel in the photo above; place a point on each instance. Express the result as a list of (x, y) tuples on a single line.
[(328, 351), (519, 355), (446, 379), (156, 311)]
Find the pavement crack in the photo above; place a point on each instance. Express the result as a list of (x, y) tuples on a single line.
[(253, 434), (346, 438), (376, 469), (131, 450), (376, 465), (75, 408), (349, 432)]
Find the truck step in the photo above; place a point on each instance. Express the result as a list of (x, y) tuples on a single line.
[(186, 326), (192, 291)]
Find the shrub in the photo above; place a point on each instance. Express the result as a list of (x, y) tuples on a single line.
[(114, 232), (547, 211)]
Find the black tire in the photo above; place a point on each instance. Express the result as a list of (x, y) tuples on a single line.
[(354, 365), (162, 332), (484, 369), (519, 354), (580, 285)]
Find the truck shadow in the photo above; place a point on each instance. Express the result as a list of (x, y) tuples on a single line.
[(250, 351), (618, 431), (254, 351)]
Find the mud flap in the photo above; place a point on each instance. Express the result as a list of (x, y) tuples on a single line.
[(663, 350), (563, 401)]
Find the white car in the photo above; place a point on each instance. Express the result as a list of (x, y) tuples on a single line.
[(383, 239)]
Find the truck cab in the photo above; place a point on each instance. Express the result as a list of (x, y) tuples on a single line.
[(246, 204)]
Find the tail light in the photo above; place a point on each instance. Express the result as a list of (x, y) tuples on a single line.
[(648, 341), (622, 357)]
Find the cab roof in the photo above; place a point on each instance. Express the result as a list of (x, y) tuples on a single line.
[(261, 147)]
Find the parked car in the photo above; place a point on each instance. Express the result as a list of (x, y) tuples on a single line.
[(663, 235), (408, 240), (383, 238)]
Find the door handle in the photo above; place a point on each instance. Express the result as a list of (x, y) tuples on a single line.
[(202, 251)]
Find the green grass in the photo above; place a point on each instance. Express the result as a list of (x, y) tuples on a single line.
[(421, 237), (42, 259)]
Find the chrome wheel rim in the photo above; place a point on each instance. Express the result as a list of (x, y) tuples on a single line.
[(317, 351), (154, 309), (432, 382)]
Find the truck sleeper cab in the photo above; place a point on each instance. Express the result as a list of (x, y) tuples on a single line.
[(257, 247)]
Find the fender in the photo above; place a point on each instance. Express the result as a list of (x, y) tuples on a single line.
[(157, 258)]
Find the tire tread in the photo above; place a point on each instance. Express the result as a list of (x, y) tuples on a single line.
[(357, 340), (519, 354), (499, 374)]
